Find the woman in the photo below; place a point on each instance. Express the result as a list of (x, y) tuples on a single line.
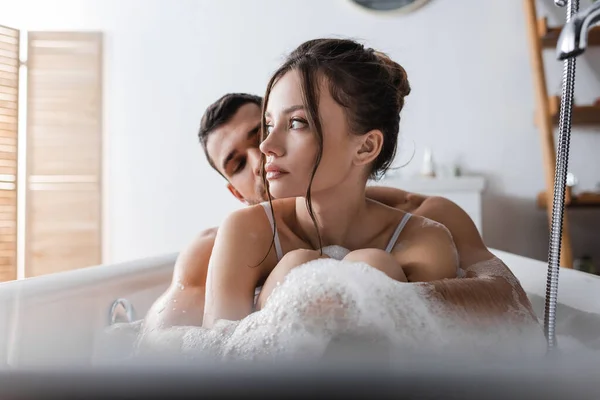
[(331, 121)]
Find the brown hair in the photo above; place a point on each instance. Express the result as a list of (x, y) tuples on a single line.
[(366, 83)]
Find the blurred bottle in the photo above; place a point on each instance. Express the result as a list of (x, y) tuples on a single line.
[(428, 167)]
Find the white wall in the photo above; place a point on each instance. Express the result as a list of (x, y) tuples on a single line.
[(472, 101)]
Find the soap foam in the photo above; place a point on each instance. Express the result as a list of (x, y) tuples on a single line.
[(327, 301)]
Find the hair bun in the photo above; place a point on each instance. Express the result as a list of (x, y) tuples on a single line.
[(398, 76)]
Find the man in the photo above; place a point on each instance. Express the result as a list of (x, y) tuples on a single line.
[(229, 135)]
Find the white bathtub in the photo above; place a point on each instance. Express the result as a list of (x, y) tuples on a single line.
[(57, 320)]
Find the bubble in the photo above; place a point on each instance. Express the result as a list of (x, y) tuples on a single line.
[(327, 299)]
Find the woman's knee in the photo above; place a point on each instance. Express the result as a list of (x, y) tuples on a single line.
[(365, 255), (288, 262), (291, 260), (378, 259), (298, 257)]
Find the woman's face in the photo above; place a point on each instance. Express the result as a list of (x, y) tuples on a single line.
[(291, 146)]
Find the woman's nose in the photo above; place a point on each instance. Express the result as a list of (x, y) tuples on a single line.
[(271, 145)]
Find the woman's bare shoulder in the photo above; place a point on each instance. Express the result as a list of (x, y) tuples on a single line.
[(421, 227), (423, 221), (248, 227), (252, 226), (466, 236), (247, 217), (427, 251)]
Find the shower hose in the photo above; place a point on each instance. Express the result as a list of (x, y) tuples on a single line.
[(558, 203)]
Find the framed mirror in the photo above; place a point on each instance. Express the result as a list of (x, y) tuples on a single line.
[(402, 6)]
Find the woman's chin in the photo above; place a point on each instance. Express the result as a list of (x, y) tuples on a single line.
[(282, 194), (279, 191)]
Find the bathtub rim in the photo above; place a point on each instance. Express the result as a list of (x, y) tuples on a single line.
[(572, 288), (92, 276), (576, 289)]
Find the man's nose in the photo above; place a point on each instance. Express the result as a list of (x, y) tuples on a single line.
[(255, 158)]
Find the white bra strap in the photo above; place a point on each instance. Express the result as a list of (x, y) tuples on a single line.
[(397, 232), (267, 206)]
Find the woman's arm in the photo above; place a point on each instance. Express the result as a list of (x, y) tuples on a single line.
[(429, 256), (237, 265)]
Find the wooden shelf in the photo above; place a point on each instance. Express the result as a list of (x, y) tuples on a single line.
[(543, 37), (582, 200), (588, 115), (549, 35)]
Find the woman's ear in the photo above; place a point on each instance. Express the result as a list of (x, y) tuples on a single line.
[(369, 147)]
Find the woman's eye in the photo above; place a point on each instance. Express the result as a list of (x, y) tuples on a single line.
[(297, 124), (269, 128)]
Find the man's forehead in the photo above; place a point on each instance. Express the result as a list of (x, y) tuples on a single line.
[(226, 138)]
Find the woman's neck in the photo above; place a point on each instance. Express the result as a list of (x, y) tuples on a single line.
[(336, 211)]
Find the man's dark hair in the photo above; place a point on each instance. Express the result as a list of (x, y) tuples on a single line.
[(219, 113)]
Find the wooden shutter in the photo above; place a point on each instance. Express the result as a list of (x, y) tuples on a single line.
[(64, 152), (9, 100)]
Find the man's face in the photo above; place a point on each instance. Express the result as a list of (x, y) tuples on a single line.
[(233, 149)]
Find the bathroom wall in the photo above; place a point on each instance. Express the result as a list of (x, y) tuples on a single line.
[(165, 61)]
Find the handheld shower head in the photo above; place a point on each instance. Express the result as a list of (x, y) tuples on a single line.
[(573, 38)]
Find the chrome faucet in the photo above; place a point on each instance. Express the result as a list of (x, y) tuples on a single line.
[(573, 38)]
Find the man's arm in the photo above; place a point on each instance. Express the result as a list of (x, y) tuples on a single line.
[(481, 292), (486, 293), (183, 302)]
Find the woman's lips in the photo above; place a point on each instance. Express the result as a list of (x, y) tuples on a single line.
[(274, 172)]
